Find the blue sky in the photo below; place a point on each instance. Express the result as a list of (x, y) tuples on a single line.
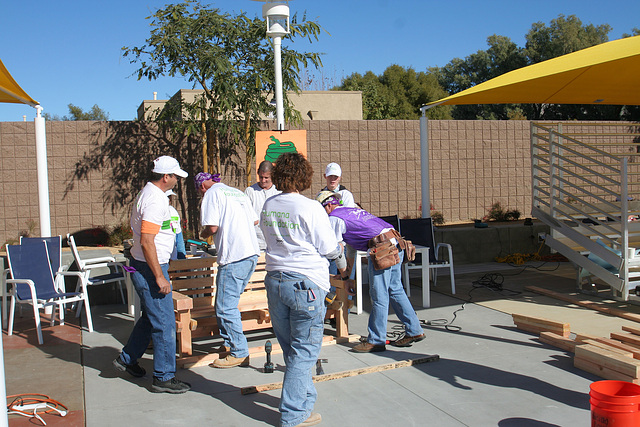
[(68, 51)]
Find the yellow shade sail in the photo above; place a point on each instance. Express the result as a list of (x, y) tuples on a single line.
[(608, 73), (10, 90)]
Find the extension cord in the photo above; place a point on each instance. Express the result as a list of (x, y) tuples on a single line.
[(33, 407)]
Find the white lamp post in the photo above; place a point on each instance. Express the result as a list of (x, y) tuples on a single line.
[(277, 15)]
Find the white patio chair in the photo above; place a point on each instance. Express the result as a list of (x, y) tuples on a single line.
[(116, 275), (420, 232)]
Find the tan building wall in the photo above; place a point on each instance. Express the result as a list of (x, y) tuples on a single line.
[(473, 164), (313, 105)]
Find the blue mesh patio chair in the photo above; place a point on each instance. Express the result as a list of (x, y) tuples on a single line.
[(32, 282), (54, 247)]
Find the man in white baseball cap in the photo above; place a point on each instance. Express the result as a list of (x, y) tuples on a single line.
[(153, 242), (333, 175), (168, 165)]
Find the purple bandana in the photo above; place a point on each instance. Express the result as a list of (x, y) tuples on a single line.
[(331, 200), (205, 176)]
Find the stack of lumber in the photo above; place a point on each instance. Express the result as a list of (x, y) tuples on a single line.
[(613, 358)]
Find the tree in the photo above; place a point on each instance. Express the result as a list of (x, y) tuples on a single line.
[(459, 74), (397, 94), (375, 97), (231, 59), (563, 35), (76, 113)]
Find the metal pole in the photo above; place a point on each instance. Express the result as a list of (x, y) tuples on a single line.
[(624, 225), (4, 418), (277, 41), (43, 174), (424, 164)]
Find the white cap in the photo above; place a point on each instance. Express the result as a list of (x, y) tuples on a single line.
[(167, 164), (169, 193), (333, 169)]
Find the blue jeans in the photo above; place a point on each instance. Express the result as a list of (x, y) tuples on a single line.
[(231, 280), (296, 307), (385, 286), (157, 322)]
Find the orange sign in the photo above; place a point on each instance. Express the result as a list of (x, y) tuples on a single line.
[(270, 144)]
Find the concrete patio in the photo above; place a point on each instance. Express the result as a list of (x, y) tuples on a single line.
[(488, 373)]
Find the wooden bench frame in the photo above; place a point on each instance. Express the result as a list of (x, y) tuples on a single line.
[(193, 282)]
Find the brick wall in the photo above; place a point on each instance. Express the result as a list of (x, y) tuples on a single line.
[(473, 164)]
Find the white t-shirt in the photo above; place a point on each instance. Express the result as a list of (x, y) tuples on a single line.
[(346, 197), (152, 205), (298, 236), (175, 220), (230, 209), (258, 196), (175, 227)]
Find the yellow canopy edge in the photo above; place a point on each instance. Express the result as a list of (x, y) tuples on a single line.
[(10, 90), (604, 74)]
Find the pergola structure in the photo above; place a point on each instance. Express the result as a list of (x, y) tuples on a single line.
[(582, 184), (10, 91)]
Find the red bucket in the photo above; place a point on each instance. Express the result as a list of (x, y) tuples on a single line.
[(614, 404)]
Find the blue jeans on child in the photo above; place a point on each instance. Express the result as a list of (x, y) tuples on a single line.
[(231, 280), (385, 286), (296, 307), (157, 322)]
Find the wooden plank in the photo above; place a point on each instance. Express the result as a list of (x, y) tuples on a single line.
[(602, 371), (183, 334), (580, 338), (635, 351), (617, 344), (610, 348), (197, 294), (253, 300), (342, 315), (536, 320), (626, 338), (205, 304), (192, 263), (559, 341), (258, 276), (346, 374), (185, 276), (181, 302), (586, 303), (539, 324), (537, 329), (609, 359), (206, 283), (634, 331)]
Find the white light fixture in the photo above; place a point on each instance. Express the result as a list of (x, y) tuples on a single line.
[(277, 15)]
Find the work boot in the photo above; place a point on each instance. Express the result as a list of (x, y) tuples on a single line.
[(367, 347), (230, 362), (407, 340), (173, 386), (222, 349), (314, 418), (134, 369)]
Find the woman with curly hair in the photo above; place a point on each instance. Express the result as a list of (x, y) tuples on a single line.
[(299, 241)]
